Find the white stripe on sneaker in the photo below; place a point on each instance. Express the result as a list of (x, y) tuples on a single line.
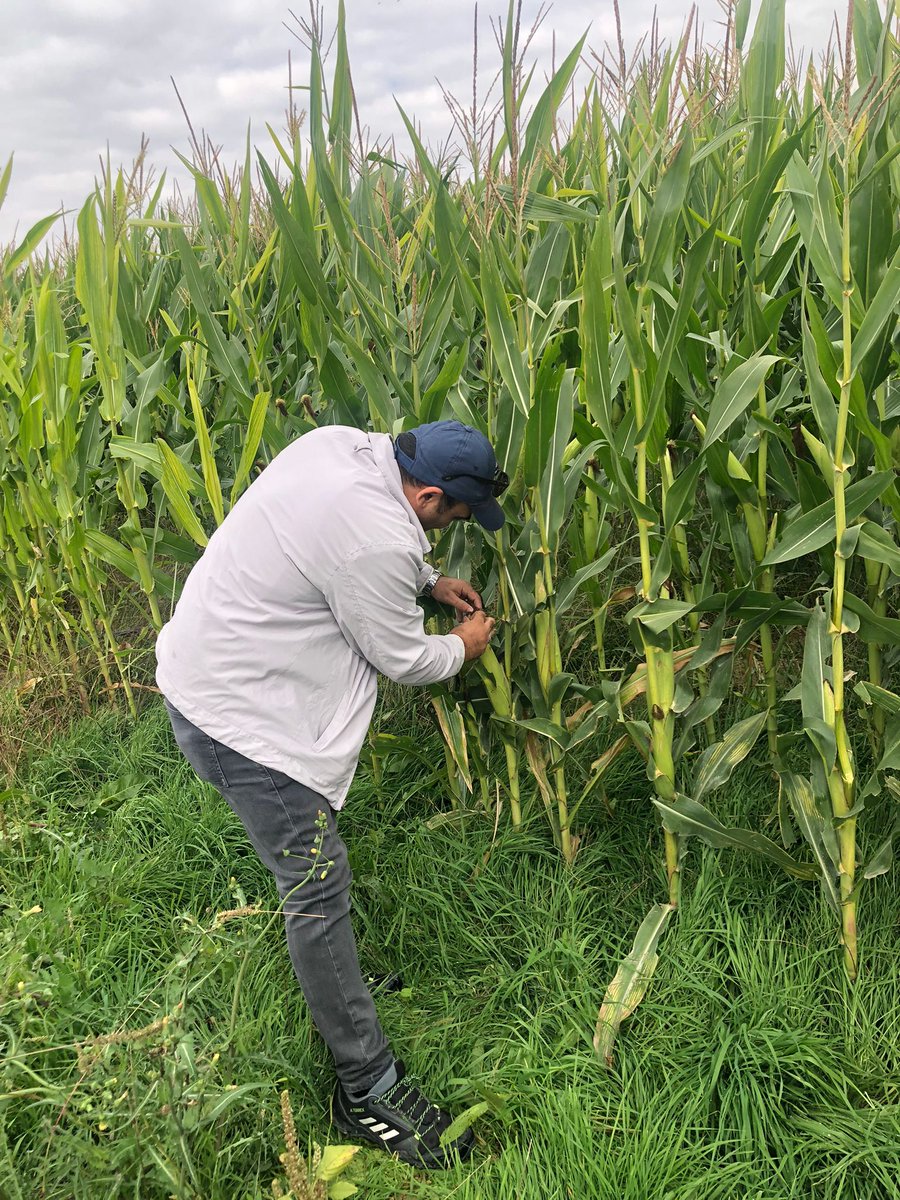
[(391, 1133), (367, 1120), (378, 1128)]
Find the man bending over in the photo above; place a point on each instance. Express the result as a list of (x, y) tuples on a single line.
[(268, 668)]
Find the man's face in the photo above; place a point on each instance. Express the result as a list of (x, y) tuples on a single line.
[(440, 517), (428, 505)]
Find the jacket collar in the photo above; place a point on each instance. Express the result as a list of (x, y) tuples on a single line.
[(383, 452)]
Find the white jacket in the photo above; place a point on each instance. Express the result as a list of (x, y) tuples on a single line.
[(304, 593)]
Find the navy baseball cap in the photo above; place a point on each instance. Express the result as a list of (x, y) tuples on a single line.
[(461, 462)]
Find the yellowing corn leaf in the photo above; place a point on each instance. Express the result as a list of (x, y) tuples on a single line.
[(255, 425), (630, 982), (334, 1160), (636, 684), (454, 732), (538, 764), (600, 765), (341, 1189), (175, 482)]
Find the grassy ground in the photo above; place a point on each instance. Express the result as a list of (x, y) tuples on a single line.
[(750, 1070)]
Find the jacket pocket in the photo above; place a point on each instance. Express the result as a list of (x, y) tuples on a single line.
[(337, 722)]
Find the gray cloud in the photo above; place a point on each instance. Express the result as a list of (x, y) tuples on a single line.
[(78, 76)]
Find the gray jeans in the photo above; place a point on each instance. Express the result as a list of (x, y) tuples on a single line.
[(285, 821)]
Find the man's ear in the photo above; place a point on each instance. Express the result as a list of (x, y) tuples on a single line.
[(427, 494)]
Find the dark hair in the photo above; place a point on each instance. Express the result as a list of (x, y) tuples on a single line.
[(407, 443)]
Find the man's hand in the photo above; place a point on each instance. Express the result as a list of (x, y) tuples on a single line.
[(475, 633), (458, 594)]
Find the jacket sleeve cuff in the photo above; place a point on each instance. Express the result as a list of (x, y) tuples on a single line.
[(459, 648), (423, 577)]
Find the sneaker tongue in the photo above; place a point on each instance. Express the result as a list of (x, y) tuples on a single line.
[(388, 1080)]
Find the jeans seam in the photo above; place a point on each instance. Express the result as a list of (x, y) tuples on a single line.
[(216, 760), (321, 895)]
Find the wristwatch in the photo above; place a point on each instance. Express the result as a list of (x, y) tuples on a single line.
[(431, 581)]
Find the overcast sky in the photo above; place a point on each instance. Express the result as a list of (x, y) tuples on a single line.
[(78, 75)]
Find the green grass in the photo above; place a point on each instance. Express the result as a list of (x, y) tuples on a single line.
[(751, 1069)]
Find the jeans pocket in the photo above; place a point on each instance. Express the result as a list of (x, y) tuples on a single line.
[(220, 780)]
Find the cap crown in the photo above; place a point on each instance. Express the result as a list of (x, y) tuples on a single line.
[(454, 457)]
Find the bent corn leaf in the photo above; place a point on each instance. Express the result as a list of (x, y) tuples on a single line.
[(876, 543), (630, 982), (659, 615), (687, 818), (818, 831)]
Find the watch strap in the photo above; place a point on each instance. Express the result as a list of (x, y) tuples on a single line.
[(431, 581)]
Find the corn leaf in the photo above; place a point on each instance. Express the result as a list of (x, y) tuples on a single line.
[(207, 459), (663, 221), (762, 198), (876, 544), (735, 393), (595, 319), (815, 210), (253, 437), (176, 484), (882, 858), (296, 227), (29, 242), (552, 486), (872, 626), (717, 762), (5, 177), (453, 729), (816, 528), (889, 702), (542, 419), (818, 831), (501, 328), (659, 615), (763, 74), (567, 589), (224, 353), (540, 725), (631, 980), (341, 1189), (881, 313), (464, 1121), (687, 818), (334, 1160), (325, 182)]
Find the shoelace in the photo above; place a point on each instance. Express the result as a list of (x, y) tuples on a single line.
[(407, 1097)]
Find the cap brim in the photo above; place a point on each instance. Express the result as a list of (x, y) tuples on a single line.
[(489, 515)]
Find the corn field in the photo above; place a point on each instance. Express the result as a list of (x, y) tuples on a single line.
[(665, 286)]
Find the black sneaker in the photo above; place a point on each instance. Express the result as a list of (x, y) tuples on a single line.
[(403, 1121), (383, 983)]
